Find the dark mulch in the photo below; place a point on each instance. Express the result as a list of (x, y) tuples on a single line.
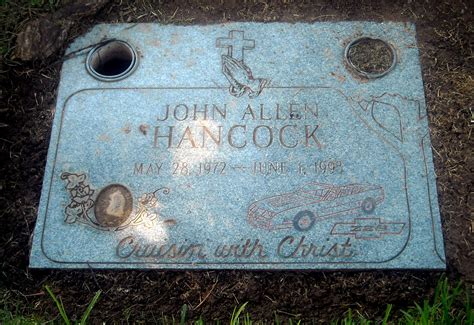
[(445, 34)]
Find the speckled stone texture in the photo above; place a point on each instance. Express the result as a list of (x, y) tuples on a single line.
[(241, 146)]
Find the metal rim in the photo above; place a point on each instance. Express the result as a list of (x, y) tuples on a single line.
[(365, 74), (101, 217), (109, 45)]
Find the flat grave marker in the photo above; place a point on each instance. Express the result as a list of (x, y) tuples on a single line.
[(241, 146)]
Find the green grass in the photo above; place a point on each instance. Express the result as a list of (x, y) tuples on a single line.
[(444, 308), (448, 305), (12, 310), (10, 318), (62, 310)]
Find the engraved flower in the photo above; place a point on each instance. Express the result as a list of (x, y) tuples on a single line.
[(81, 194), (150, 220), (73, 212), (89, 203), (148, 200), (145, 198), (73, 180)]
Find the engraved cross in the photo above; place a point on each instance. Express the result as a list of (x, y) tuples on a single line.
[(236, 44)]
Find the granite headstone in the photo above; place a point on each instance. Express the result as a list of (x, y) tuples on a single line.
[(240, 146)]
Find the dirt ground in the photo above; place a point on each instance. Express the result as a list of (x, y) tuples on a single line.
[(445, 36)]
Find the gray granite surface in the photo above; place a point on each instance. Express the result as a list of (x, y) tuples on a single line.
[(241, 146)]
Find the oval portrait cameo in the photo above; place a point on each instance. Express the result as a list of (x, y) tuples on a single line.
[(113, 205)]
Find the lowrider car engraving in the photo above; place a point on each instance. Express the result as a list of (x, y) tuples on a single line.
[(313, 202)]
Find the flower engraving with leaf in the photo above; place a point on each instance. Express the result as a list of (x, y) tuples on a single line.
[(82, 201), (81, 198), (147, 210)]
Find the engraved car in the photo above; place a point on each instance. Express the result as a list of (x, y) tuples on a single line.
[(313, 202)]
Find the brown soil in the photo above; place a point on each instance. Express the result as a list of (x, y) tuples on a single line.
[(445, 35), (370, 56)]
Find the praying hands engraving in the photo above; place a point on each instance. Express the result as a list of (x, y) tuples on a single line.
[(235, 70), (240, 78)]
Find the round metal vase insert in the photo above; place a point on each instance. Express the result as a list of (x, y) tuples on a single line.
[(370, 58), (112, 60), (113, 205)]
